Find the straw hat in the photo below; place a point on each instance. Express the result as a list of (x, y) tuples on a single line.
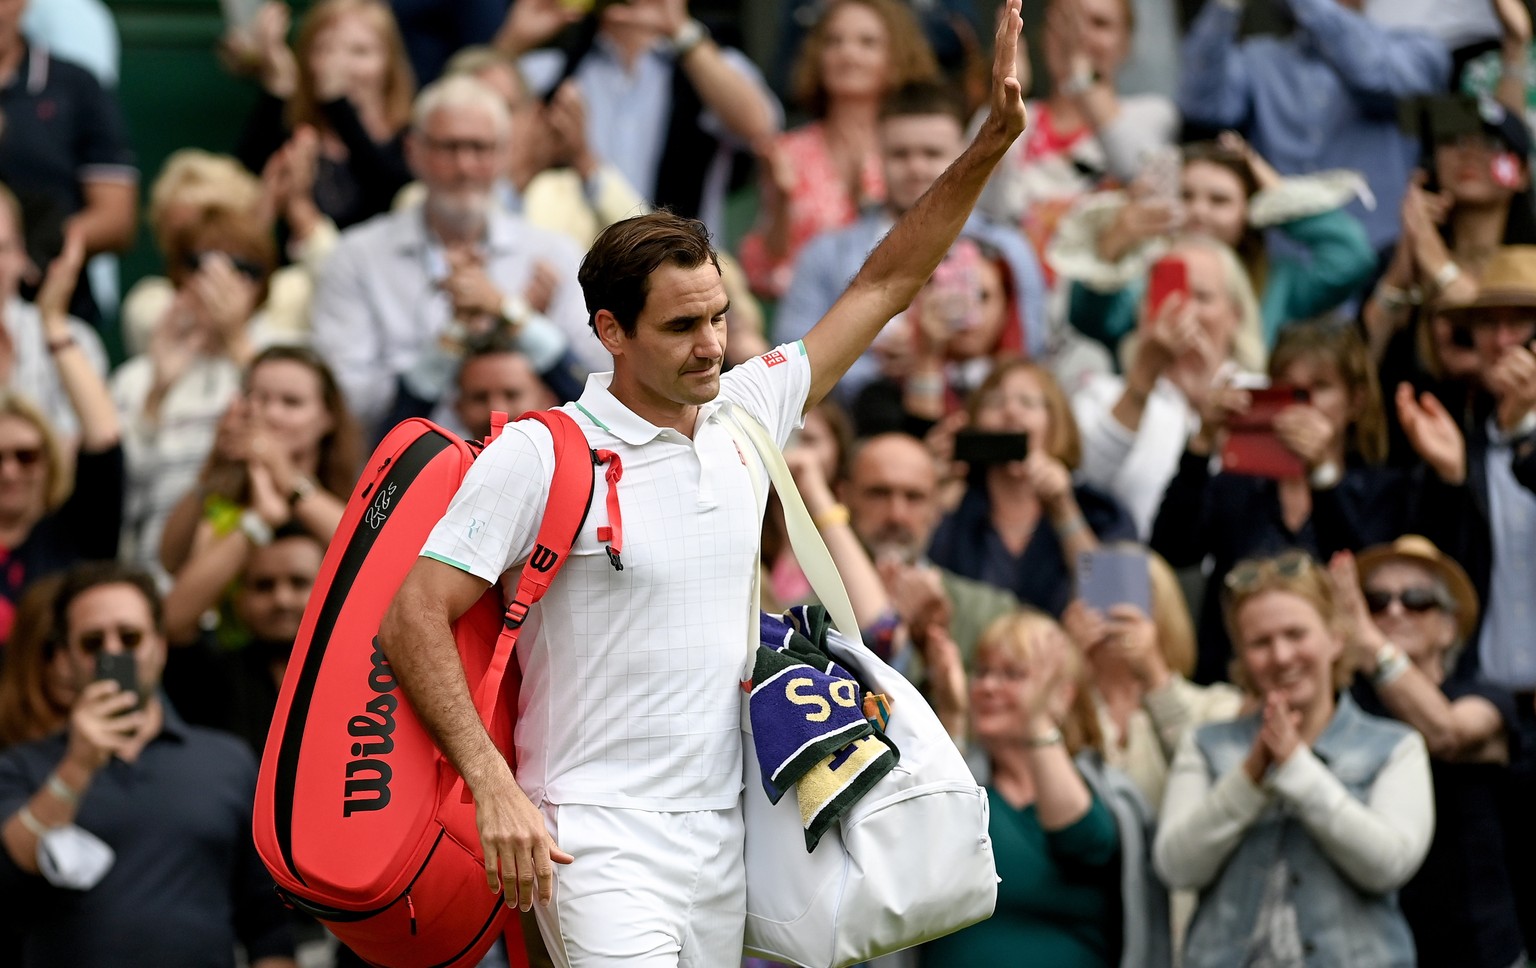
[(1420, 551), (1509, 279)]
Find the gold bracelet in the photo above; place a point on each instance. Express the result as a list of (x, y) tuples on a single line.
[(835, 515)]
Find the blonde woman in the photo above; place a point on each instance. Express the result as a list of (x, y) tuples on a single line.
[(1069, 834), (1297, 823)]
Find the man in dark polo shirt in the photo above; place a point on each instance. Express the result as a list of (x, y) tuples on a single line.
[(172, 801), (64, 151)]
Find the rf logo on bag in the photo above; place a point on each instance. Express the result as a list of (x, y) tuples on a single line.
[(378, 511)]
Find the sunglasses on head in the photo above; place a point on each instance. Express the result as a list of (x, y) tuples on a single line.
[(1246, 575), (95, 640), (23, 456), (1414, 600), (193, 261)]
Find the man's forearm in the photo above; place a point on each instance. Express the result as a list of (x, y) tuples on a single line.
[(739, 103), (424, 660), (902, 263)]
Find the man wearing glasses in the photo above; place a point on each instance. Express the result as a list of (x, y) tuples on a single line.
[(404, 292), (127, 835)]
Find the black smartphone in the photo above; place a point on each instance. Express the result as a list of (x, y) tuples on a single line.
[(988, 447), (120, 668)]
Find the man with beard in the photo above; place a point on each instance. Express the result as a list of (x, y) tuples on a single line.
[(404, 291), (892, 495), (229, 676)]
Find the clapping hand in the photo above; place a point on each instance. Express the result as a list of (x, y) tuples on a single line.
[(1433, 433), (1360, 630), (1307, 432), (1512, 380)]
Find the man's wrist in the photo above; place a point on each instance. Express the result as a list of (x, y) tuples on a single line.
[(688, 36)]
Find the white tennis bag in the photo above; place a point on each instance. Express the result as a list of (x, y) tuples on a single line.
[(912, 861)]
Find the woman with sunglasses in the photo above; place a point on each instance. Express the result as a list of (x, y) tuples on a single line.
[(1299, 822), (172, 395), (1070, 834), (1336, 496), (287, 453), (1410, 610), (58, 505)]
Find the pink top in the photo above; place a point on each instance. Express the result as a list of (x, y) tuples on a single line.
[(819, 202)]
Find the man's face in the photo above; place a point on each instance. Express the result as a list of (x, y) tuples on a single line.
[(915, 150), (673, 360), (458, 154), (500, 381), (113, 618), (892, 497), (1498, 329), (276, 586)]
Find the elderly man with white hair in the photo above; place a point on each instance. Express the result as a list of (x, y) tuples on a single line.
[(404, 291)]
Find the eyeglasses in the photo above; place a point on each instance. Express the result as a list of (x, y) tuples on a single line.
[(1246, 575), (1414, 600), (452, 146), (1005, 673), (23, 456), (94, 640)]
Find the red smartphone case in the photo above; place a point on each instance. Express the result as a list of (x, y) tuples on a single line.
[(1251, 446), (1169, 275)]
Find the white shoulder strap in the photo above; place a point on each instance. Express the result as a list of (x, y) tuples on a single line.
[(810, 550)]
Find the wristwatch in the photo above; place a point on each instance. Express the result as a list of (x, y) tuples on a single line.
[(688, 36)]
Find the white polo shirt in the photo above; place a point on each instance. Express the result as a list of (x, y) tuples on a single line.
[(631, 690)]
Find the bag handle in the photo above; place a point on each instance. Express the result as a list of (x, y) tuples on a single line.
[(570, 498), (810, 550)]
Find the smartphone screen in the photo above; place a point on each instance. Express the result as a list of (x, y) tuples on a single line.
[(986, 447), (1169, 276), (1107, 577), (119, 667)]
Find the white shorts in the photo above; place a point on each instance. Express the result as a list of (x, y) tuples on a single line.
[(647, 889)]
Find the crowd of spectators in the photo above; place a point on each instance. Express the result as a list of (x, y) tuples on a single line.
[(1251, 306)]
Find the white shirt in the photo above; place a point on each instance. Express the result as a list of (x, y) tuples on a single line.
[(35, 376), (379, 302), (1133, 467), (631, 690)]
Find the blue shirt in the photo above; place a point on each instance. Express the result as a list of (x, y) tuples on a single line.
[(1324, 97), (1504, 650)]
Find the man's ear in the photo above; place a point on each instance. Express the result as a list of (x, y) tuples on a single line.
[(609, 332), (413, 150)]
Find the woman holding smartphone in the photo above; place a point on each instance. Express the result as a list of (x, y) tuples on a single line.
[(1021, 524), (1299, 822), (1339, 498)]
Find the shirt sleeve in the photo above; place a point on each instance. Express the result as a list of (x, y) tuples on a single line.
[(1377, 843), (1215, 87), (1370, 59), (101, 148), (492, 521), (773, 388), (1092, 839), (1202, 822), (346, 337)]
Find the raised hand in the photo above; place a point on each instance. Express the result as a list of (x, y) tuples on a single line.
[(532, 23), (59, 282), (1085, 625), (1281, 731), (1360, 631), (1007, 116), (1512, 381), (1134, 634), (946, 678), (1433, 433)]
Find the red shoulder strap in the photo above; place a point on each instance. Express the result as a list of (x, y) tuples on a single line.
[(570, 497)]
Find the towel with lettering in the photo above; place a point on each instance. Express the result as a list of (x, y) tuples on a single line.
[(814, 726)]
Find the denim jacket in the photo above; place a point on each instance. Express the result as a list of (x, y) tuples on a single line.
[(1340, 925)]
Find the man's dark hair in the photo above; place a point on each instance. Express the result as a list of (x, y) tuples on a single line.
[(498, 342), (921, 99), (616, 274), (94, 574)]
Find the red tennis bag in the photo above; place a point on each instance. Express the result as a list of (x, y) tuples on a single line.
[(361, 820)]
